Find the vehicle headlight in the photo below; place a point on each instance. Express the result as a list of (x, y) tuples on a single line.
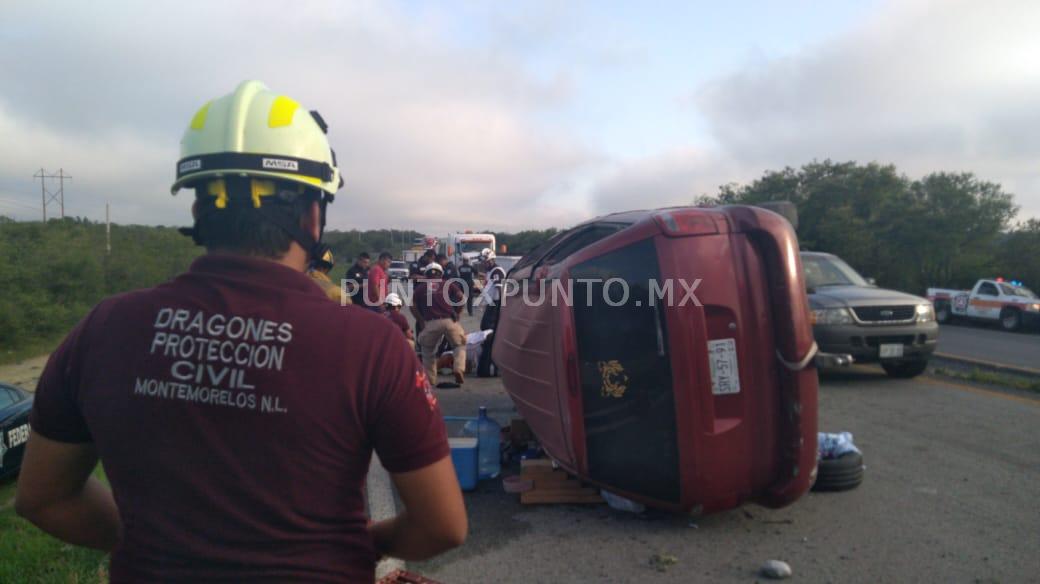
[(925, 313), (1033, 307), (832, 316)]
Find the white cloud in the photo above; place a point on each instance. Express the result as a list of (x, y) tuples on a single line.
[(429, 135), (927, 86)]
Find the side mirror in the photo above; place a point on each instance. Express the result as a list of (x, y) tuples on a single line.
[(871, 281)]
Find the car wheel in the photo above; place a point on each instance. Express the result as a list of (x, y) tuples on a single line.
[(905, 369), (839, 474), (1011, 319), (943, 315)]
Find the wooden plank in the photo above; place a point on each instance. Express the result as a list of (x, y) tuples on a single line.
[(554, 484), (536, 463), (555, 475)]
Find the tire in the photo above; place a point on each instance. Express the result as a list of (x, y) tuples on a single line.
[(838, 485), (905, 369), (1010, 319), (839, 474), (943, 314)]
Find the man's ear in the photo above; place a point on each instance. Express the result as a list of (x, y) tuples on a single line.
[(311, 222)]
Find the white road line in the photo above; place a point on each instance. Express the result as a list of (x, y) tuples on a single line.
[(382, 505)]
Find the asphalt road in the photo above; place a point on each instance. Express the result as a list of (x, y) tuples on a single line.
[(950, 495), (1021, 349)]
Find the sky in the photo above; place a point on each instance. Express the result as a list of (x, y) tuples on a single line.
[(507, 116)]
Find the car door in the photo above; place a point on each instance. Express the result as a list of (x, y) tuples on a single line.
[(986, 302)]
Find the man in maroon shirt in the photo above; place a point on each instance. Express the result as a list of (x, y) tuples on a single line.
[(233, 408), (393, 312), (378, 283), (436, 304)]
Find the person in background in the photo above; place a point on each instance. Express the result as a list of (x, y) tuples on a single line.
[(466, 275), (492, 294), (436, 303), (378, 285), (393, 312), (208, 459), (450, 272), (356, 276), (319, 272)]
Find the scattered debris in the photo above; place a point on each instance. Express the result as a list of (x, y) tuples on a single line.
[(551, 485), (775, 570), (621, 503), (661, 562)]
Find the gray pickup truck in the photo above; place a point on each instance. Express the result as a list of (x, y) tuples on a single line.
[(874, 325)]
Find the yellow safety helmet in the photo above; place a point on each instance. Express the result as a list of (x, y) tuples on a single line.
[(325, 260), (254, 145), (255, 132)]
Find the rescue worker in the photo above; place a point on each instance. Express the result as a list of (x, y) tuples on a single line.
[(450, 272), (466, 275), (436, 304), (319, 272), (356, 276), (213, 399), (393, 312), (492, 294)]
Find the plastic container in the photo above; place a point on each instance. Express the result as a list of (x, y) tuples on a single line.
[(464, 457), (489, 450), (489, 436)]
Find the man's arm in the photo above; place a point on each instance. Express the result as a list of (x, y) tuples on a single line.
[(57, 493), (434, 516)]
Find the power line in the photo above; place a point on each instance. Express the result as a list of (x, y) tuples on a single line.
[(16, 203)]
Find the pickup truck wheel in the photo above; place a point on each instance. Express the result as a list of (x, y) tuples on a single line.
[(905, 369), (1010, 319), (943, 315)]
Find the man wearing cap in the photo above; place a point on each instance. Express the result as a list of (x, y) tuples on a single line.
[(393, 312), (218, 400), (436, 304)]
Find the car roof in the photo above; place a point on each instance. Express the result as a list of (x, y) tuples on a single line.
[(15, 388)]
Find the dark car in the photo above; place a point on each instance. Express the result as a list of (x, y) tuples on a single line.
[(677, 404), (874, 325), (15, 404)]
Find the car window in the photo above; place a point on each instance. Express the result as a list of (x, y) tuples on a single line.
[(822, 271), (581, 240), (7, 397), (536, 254), (988, 288)]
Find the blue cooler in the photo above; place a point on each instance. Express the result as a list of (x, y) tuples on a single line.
[(464, 457)]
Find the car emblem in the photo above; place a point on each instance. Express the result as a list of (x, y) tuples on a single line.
[(887, 313)]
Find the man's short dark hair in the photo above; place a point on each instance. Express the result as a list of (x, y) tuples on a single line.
[(241, 228), (363, 256), (385, 256)]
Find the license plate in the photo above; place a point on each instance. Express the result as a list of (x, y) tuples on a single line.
[(722, 358), (892, 351)]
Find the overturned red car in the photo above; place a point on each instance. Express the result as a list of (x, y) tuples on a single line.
[(667, 356)]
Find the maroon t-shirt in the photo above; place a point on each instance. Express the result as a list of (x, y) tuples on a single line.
[(437, 298), (235, 410), (378, 283), (398, 319)]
